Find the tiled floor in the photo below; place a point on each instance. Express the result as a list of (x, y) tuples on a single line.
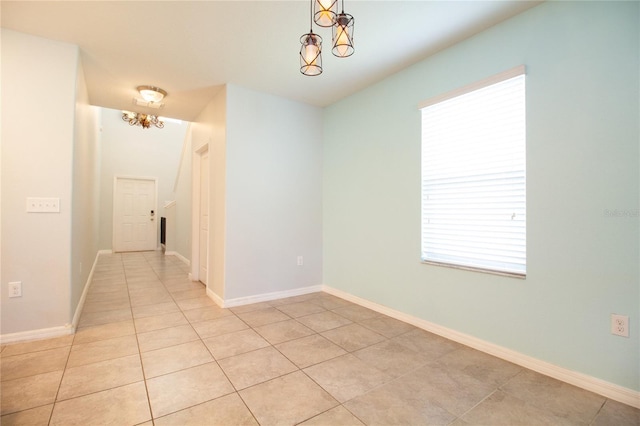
[(152, 349)]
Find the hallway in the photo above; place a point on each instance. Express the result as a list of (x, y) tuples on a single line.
[(153, 349)]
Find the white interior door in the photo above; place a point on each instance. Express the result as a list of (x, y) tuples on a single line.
[(203, 239), (134, 214)]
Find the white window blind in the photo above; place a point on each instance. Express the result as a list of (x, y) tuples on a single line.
[(474, 177)]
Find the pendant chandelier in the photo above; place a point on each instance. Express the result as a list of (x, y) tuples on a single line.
[(324, 14), (311, 52), (144, 120)]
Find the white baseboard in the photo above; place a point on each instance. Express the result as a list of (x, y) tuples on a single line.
[(76, 316), (239, 301), (42, 333), (593, 384), (179, 256), (217, 299), (105, 251)]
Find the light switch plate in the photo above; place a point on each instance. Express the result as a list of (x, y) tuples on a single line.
[(43, 205)]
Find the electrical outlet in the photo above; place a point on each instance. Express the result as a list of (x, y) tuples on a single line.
[(620, 325), (15, 289), (300, 261)]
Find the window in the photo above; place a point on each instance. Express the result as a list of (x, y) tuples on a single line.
[(473, 176)]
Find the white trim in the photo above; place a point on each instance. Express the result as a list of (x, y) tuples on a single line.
[(590, 383), (247, 300), (76, 316), (505, 75), (217, 299), (105, 251), (39, 334), (196, 161), (170, 204), (179, 256)]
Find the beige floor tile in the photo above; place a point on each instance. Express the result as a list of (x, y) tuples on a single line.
[(158, 322), (615, 413), (323, 321), (188, 294), (153, 310), (328, 301), (255, 367), (428, 344), (310, 350), (37, 345), (554, 396), (283, 331), (236, 343), (356, 312), (295, 310), (389, 405), (107, 293), (29, 392), (104, 332), (102, 350), (166, 337), (288, 399), (30, 364), (504, 409), (262, 317), (387, 326), (353, 337), (219, 326), (197, 302), (447, 387), (145, 297), (293, 299), (34, 417), (186, 388), (391, 358), (99, 376), (90, 319), (227, 410), (346, 377), (206, 313), (174, 358), (336, 416), (153, 284), (251, 307), (126, 405), (481, 366), (102, 306)]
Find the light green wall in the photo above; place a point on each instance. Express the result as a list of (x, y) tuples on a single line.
[(582, 63)]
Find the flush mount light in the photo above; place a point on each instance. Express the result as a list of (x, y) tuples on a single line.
[(151, 93)]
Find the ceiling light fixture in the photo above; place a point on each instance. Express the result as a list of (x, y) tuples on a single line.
[(151, 93), (311, 51), (144, 120), (343, 35), (325, 12)]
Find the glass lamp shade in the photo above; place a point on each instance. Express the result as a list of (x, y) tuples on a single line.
[(151, 93), (310, 54), (325, 12), (343, 36)]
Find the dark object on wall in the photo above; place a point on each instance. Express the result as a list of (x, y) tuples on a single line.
[(163, 233)]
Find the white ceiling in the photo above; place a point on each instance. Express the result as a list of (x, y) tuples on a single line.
[(192, 48)]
